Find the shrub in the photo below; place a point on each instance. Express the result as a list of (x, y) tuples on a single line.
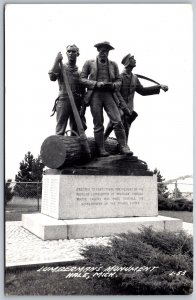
[(178, 204), (169, 255)]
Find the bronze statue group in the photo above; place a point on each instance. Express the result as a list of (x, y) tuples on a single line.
[(100, 86)]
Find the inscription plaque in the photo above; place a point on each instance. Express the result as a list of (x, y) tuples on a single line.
[(91, 196), (109, 196), (50, 196)]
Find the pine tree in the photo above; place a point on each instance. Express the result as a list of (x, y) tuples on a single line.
[(31, 170), (163, 192)]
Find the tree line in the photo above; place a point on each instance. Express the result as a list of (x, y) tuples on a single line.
[(31, 170)]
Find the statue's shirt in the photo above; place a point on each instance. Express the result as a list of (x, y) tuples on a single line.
[(73, 79), (103, 72)]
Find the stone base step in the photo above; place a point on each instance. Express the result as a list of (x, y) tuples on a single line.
[(48, 228)]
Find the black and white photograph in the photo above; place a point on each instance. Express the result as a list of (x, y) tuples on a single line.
[(98, 149)]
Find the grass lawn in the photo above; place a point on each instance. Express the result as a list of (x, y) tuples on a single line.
[(17, 215), (32, 282), (18, 206), (186, 216)]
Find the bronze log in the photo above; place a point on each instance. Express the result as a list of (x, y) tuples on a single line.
[(61, 151)]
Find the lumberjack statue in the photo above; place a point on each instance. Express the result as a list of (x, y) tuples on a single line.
[(105, 89), (130, 85), (102, 80), (63, 107)]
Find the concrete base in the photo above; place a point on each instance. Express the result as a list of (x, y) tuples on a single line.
[(48, 228)]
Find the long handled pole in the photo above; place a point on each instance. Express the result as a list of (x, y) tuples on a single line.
[(83, 138)]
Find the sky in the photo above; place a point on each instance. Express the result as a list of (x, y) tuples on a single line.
[(159, 36)]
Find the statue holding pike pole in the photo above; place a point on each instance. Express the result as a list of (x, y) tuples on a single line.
[(71, 92), (70, 96)]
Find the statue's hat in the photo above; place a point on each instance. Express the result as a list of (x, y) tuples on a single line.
[(104, 44), (126, 60)]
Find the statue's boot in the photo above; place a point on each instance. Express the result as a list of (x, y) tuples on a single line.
[(99, 139), (129, 121), (108, 130), (121, 137)]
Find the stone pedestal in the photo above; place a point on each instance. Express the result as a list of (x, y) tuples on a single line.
[(67, 197), (79, 206), (48, 228)]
